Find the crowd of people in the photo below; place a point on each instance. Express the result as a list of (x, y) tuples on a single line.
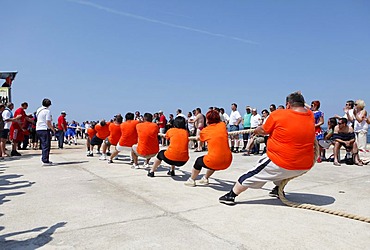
[(288, 133)]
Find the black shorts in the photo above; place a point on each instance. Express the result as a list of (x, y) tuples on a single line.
[(4, 134), (96, 141), (199, 164), (162, 157)]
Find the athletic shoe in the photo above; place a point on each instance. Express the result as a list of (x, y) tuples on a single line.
[(116, 158), (132, 161), (204, 181), (98, 152), (227, 199), (190, 182), (135, 166), (103, 157), (275, 192), (150, 174), (47, 163), (146, 165), (110, 161), (90, 155), (171, 172)]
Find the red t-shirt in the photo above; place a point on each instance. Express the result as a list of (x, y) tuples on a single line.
[(62, 120), (162, 121)]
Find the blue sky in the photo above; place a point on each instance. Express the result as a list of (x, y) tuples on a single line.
[(97, 58)]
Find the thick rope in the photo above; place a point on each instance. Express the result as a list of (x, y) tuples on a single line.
[(314, 207), (285, 182)]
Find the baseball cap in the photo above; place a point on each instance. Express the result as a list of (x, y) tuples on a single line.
[(63, 112)]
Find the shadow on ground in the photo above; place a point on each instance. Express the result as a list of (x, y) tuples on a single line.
[(31, 243)]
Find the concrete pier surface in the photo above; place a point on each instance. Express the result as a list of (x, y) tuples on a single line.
[(85, 203)]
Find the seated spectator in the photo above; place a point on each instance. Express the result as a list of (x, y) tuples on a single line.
[(345, 136), (327, 141)]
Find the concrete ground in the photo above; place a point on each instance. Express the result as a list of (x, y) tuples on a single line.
[(84, 203)]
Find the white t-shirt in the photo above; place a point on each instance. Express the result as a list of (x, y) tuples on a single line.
[(234, 116), (43, 115), (226, 117), (350, 114), (6, 115), (255, 120), (182, 115)]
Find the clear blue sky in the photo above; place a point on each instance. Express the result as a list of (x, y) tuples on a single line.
[(97, 58)]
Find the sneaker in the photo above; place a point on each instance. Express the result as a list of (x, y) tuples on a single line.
[(146, 165), (103, 157), (150, 174), (47, 163), (171, 172), (110, 161), (98, 152), (204, 181), (135, 166), (275, 192), (227, 199), (90, 155), (132, 161), (14, 153), (190, 182), (116, 158)]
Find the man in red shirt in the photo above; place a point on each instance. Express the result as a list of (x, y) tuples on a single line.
[(16, 130), (62, 128)]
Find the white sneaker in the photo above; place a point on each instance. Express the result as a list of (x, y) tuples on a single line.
[(135, 166), (146, 165), (204, 181), (190, 182), (47, 163), (103, 157)]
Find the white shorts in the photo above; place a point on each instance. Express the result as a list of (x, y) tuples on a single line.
[(134, 148), (120, 148), (266, 171)]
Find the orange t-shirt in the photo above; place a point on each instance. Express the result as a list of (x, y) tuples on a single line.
[(114, 133), (102, 132), (179, 145), (128, 133), (219, 155), (91, 132), (291, 141), (148, 138)]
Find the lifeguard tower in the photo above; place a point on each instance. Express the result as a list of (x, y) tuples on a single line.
[(6, 87)]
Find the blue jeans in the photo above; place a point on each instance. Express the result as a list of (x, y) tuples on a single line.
[(45, 138)]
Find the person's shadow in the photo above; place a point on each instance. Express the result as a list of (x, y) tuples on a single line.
[(32, 243)]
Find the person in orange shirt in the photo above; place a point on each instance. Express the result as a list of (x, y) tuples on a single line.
[(102, 132), (147, 146), (177, 153), (128, 136), (91, 133), (290, 150), (114, 136), (219, 155)]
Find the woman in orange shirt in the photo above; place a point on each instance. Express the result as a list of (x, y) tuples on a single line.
[(177, 153), (219, 155)]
